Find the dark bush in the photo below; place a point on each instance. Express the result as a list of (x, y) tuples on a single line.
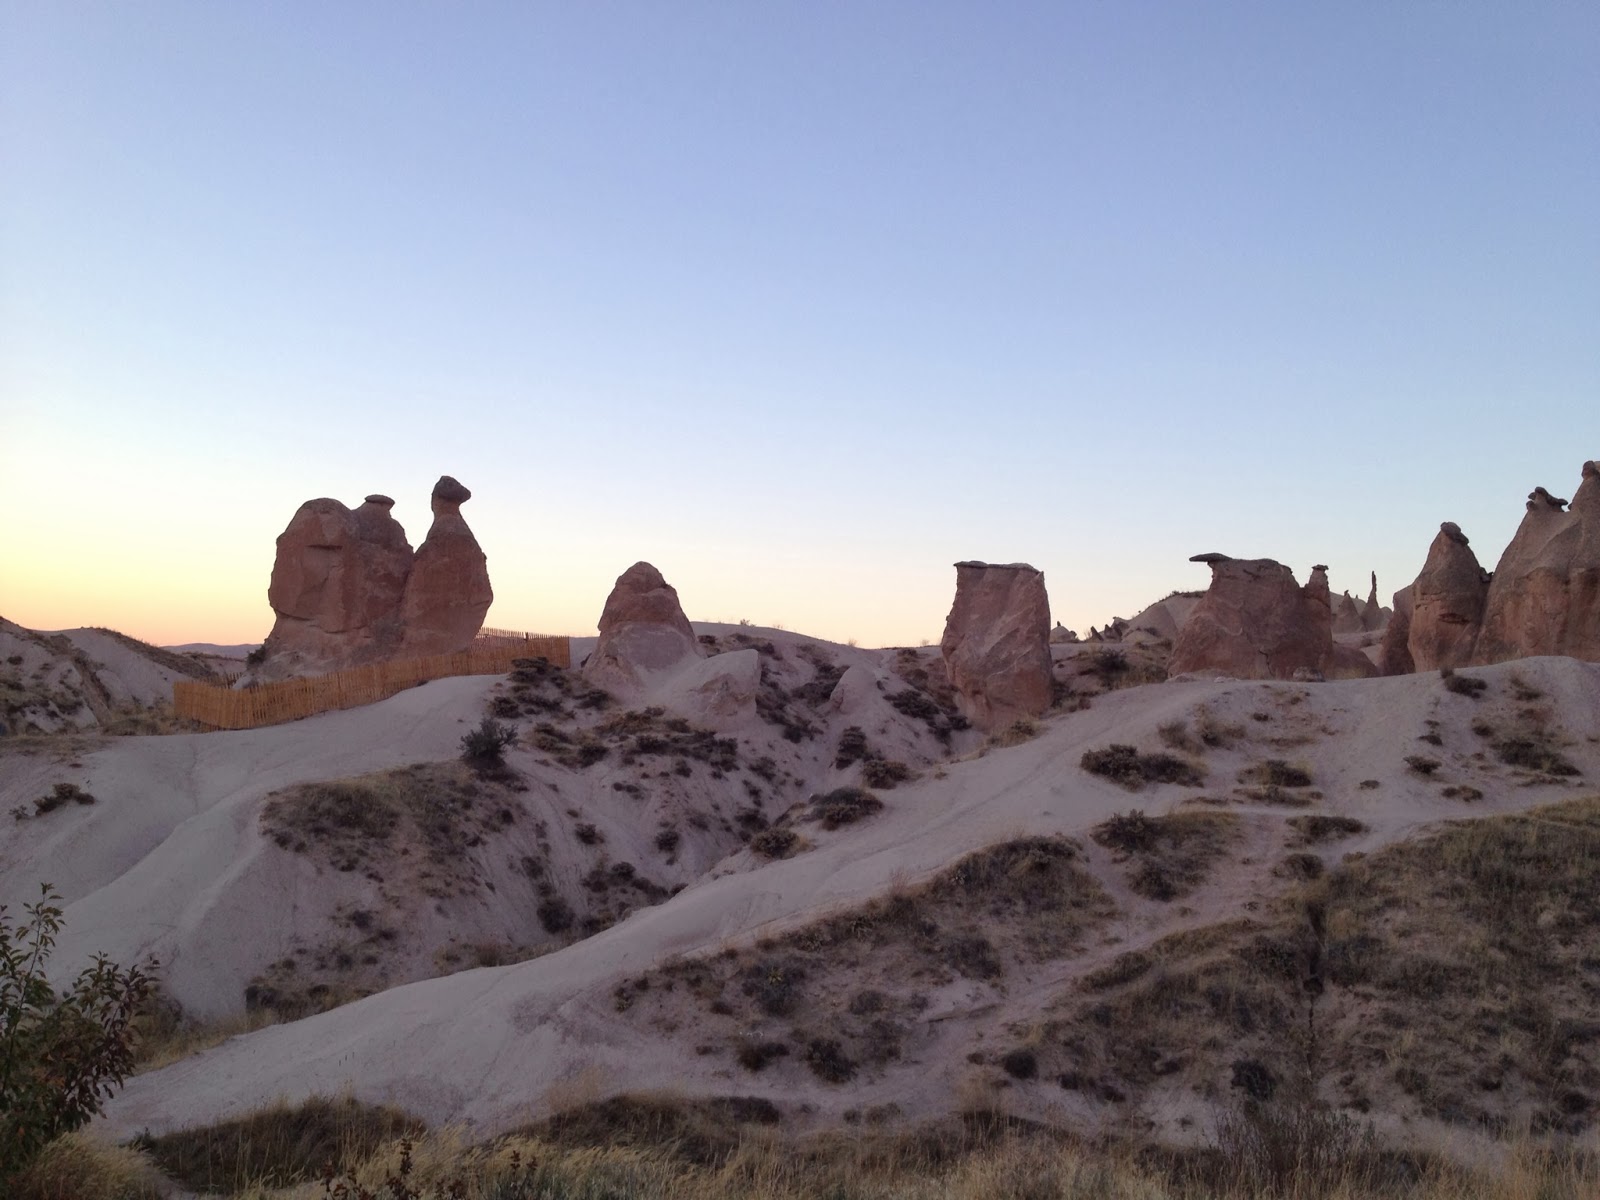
[(486, 743), (1536, 754), (844, 806), (775, 843), (853, 747), (828, 1061), (1463, 685), (1125, 765), (555, 914), (773, 985), (1020, 1063), (754, 1056), (60, 794), (1128, 833), (884, 773)]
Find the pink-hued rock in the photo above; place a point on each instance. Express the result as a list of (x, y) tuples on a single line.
[(1446, 603), (1394, 656), (1256, 622), (996, 643), (336, 587), (347, 589), (643, 631), (1348, 615), (1545, 594), (1373, 615), (448, 593)]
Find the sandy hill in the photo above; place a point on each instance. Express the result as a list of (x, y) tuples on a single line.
[(87, 679), (791, 873)]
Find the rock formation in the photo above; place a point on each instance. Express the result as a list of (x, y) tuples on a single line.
[(1256, 622), (1373, 615), (1348, 616), (1061, 635), (1446, 603), (1394, 656), (448, 593), (643, 631), (996, 643), (347, 590), (1545, 594)]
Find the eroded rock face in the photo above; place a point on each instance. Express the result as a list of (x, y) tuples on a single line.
[(337, 582), (1394, 656), (347, 589), (643, 631), (448, 593), (1446, 603), (1545, 594), (1256, 622), (1347, 615), (996, 643)]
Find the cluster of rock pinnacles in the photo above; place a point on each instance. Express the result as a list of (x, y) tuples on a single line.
[(347, 588)]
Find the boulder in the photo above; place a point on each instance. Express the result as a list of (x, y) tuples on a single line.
[(1446, 603), (1544, 597), (643, 631), (996, 643), (448, 593), (1256, 622), (1061, 635)]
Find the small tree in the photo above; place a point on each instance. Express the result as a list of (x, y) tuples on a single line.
[(61, 1056)]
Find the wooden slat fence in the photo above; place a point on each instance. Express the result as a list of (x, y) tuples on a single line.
[(291, 699)]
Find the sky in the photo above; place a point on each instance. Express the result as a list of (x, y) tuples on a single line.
[(801, 302)]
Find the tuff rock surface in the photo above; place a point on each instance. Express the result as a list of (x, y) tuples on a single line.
[(643, 631), (996, 643)]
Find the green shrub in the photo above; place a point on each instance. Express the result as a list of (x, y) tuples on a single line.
[(61, 1056)]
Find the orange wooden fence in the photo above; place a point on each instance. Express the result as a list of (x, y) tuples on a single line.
[(291, 699)]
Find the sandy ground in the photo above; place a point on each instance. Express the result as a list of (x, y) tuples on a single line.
[(160, 859)]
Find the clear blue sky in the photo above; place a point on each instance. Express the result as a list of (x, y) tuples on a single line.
[(802, 302)]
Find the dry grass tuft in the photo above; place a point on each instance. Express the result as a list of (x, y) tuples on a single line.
[(1168, 857)]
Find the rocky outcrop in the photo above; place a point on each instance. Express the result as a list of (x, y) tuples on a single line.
[(996, 643), (1347, 615), (1446, 603), (1373, 615), (1061, 635), (1394, 655), (1256, 622), (448, 593), (643, 631), (346, 588), (1545, 594)]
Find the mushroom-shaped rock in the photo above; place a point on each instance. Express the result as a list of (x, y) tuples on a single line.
[(1256, 622), (448, 594), (1544, 597), (996, 643), (1446, 603), (643, 631)]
